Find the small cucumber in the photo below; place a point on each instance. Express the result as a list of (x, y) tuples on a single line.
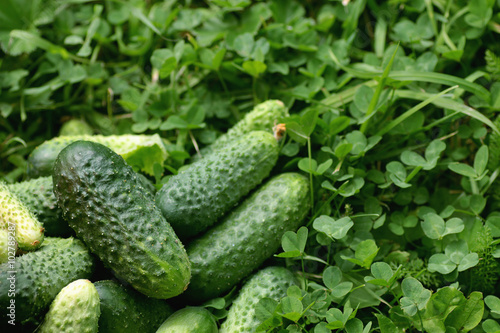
[(140, 151), (250, 234), (38, 195), (104, 201), (38, 277), (75, 127), (76, 308), (271, 282), (189, 320), (19, 220), (197, 197), (261, 118), (124, 310)]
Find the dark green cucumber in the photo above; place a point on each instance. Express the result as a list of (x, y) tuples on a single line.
[(76, 308), (262, 117), (105, 203), (140, 151), (38, 277), (250, 234), (189, 320), (38, 195), (124, 310), (271, 282), (196, 198)]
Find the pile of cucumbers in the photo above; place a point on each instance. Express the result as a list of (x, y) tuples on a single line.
[(102, 252)]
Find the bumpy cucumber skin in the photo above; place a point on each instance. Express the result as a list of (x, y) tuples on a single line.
[(124, 310), (105, 203), (76, 308), (38, 195), (189, 320), (271, 282), (231, 250), (261, 118), (29, 232), (196, 198), (41, 160), (39, 277)]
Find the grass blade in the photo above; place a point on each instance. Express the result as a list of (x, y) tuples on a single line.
[(378, 91), (447, 103), (345, 96), (445, 79), (411, 111), (431, 77)]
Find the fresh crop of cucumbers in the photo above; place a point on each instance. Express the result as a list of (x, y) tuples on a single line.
[(225, 199)]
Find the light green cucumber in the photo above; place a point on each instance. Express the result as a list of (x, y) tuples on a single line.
[(245, 238), (271, 282), (189, 320), (38, 277), (18, 219), (38, 195), (124, 310), (139, 151), (106, 204), (197, 197), (262, 117), (75, 127), (76, 308)]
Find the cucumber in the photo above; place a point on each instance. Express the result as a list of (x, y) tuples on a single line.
[(261, 118), (124, 310), (271, 282), (104, 201), (140, 151), (250, 234), (19, 220), (189, 320), (197, 197), (38, 277), (38, 195), (75, 127), (75, 309)]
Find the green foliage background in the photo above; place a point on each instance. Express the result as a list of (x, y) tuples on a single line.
[(393, 109)]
